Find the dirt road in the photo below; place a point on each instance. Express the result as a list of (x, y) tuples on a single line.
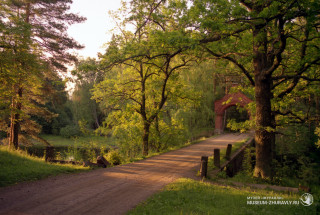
[(108, 191)]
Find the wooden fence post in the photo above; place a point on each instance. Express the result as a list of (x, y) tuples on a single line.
[(228, 153), (204, 166), (216, 156)]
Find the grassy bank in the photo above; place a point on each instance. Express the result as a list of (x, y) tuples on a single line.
[(17, 166), (82, 140), (187, 196), (245, 179)]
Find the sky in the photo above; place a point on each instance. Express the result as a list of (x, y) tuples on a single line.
[(96, 30)]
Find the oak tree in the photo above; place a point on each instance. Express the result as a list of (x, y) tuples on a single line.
[(274, 44), (145, 64)]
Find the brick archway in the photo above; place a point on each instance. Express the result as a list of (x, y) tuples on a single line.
[(227, 101)]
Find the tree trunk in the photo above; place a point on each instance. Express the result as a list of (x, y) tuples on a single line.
[(15, 121), (264, 136), (17, 105), (145, 138), (265, 119), (95, 115), (12, 139), (317, 108), (158, 133)]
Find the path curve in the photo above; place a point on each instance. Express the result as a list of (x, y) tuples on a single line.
[(108, 191)]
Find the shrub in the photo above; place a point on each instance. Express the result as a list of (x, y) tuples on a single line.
[(3, 135), (70, 131), (114, 157), (249, 160)]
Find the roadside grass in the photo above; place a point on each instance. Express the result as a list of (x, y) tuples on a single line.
[(245, 179), (241, 177), (186, 196), (56, 140), (18, 166)]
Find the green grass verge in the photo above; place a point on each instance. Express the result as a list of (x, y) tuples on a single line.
[(56, 140), (187, 196), (243, 177), (17, 166)]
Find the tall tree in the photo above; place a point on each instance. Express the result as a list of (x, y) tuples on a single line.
[(274, 44), (149, 60), (144, 85), (33, 35)]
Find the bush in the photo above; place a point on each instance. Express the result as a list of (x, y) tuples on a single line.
[(249, 160), (114, 157), (70, 131)]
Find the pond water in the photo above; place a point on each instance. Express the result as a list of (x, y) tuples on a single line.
[(68, 153)]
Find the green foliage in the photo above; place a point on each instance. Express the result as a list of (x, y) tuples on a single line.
[(240, 126), (308, 171), (270, 43), (138, 95), (83, 127), (114, 157), (167, 132), (188, 112), (83, 150), (297, 157), (198, 116), (70, 131), (86, 112), (56, 140), (296, 160), (248, 160), (58, 104), (317, 132), (28, 168), (296, 139), (33, 49), (127, 132)]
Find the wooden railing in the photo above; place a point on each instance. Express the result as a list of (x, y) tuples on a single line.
[(233, 163)]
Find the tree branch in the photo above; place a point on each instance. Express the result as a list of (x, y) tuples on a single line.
[(278, 54), (241, 67), (218, 37), (289, 112), (149, 16), (247, 4)]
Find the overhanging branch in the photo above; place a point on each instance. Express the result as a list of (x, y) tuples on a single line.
[(240, 66), (218, 37)]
